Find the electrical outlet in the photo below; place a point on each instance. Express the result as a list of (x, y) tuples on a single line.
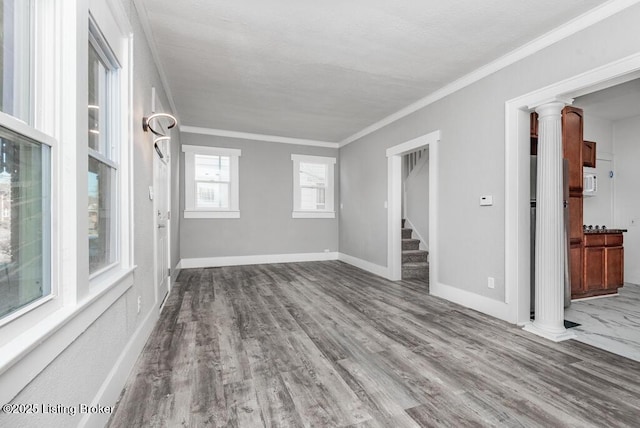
[(491, 282), (139, 303)]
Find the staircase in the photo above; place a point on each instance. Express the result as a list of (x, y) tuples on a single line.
[(414, 260)]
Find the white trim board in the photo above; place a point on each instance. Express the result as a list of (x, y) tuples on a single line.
[(256, 137), (24, 358), (112, 386), (579, 23), (364, 265), (517, 144), (486, 305), (204, 262)]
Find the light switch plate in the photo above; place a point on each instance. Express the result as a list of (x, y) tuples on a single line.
[(486, 200)]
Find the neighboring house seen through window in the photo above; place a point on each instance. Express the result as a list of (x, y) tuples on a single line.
[(313, 186), (211, 182), (103, 148), (25, 170)]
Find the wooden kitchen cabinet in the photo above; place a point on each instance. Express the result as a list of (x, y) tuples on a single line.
[(533, 122), (575, 264), (594, 268), (614, 262), (572, 143), (603, 264), (589, 154)]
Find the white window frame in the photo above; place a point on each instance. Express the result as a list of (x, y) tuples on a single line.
[(32, 337), (190, 208), (110, 157), (115, 35), (34, 126), (328, 211)]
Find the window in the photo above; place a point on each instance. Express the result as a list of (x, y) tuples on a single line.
[(25, 220), (102, 139), (25, 170), (211, 182), (313, 186), (15, 58), (47, 157)]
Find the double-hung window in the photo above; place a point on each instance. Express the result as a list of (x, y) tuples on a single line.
[(313, 186), (211, 182), (25, 171), (103, 145)]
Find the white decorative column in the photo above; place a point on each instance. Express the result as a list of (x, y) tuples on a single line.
[(550, 238)]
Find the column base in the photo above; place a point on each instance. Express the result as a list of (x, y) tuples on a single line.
[(556, 335)]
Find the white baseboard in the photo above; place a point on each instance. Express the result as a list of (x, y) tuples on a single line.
[(364, 265), (483, 304), (204, 262), (111, 388)]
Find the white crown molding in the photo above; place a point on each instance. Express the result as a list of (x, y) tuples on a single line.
[(151, 41), (577, 24), (256, 137)]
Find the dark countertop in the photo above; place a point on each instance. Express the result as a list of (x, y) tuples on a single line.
[(604, 231)]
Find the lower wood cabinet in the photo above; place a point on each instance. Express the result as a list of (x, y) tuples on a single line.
[(602, 265)]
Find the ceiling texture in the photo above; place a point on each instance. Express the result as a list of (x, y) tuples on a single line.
[(324, 70)]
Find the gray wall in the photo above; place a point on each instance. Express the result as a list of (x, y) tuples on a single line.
[(626, 146), (416, 188), (265, 225), (78, 372), (471, 158)]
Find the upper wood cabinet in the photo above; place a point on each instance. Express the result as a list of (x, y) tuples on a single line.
[(572, 143), (533, 122), (589, 154)]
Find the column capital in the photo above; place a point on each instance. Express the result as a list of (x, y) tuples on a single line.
[(550, 109), (544, 102)]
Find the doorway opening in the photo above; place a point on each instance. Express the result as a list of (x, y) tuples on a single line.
[(395, 206), (517, 182)]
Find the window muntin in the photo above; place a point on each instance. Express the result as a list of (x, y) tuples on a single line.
[(313, 186), (15, 58), (25, 221), (103, 165), (211, 182)]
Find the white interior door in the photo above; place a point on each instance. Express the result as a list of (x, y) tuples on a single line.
[(161, 198)]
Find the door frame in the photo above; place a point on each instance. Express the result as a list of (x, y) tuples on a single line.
[(517, 150), (156, 106), (394, 203)]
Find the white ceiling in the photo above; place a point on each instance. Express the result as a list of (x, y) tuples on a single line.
[(614, 103), (324, 70)]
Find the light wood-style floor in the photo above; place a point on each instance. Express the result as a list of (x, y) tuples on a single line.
[(325, 344)]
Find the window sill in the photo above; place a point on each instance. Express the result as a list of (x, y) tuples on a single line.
[(313, 214), (29, 353), (211, 214)]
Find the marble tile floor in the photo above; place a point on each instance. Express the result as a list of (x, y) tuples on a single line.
[(610, 323)]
